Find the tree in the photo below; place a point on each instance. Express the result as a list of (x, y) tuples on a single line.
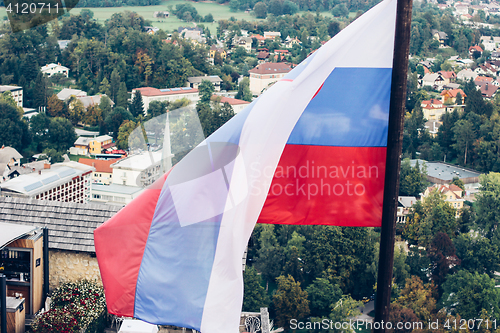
[(429, 217), (412, 181), (61, 134), (205, 90), (53, 155), (105, 106), (290, 301), (13, 129), (93, 116), (122, 96), (488, 205), (157, 108), (270, 254), (137, 106), (56, 107), (40, 94), (260, 10), (244, 92), (115, 119), (322, 297), (400, 314), (443, 258), (467, 294), (340, 10), (255, 296), (105, 87), (333, 28), (464, 135), (39, 126), (114, 84), (418, 297), (124, 132), (76, 110), (478, 254)]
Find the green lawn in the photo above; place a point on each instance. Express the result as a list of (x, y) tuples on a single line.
[(218, 11)]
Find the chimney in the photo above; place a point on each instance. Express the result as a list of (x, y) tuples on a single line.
[(486, 87), (39, 172), (46, 165)]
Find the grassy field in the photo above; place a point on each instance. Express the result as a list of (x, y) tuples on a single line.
[(218, 11), (171, 23)]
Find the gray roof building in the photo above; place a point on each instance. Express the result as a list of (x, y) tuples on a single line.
[(71, 225), (443, 173)]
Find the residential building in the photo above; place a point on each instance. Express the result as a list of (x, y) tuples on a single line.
[(195, 81), (244, 42), (264, 75), (51, 69), (488, 90), (63, 43), (97, 145), (449, 96), (161, 14), (215, 49), (440, 36), (452, 194), (404, 205), (272, 34), (115, 193), (67, 181), (490, 42), (71, 233), (9, 157), (103, 172), (194, 33), (290, 42), (434, 80), (16, 93), (443, 173), (475, 48), (467, 75), (433, 109), (150, 94), (448, 76), (138, 170), (433, 127), (94, 100), (66, 93), (237, 104)]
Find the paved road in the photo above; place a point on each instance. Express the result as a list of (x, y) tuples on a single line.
[(367, 308)]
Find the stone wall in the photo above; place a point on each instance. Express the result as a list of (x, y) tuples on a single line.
[(69, 266)]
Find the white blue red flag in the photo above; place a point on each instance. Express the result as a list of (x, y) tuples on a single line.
[(310, 150)]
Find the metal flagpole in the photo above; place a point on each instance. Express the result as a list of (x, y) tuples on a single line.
[(393, 162)]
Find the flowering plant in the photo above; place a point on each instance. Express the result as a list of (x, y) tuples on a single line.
[(80, 304)]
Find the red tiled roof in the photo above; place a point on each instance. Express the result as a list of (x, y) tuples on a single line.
[(99, 165), (483, 79), (230, 101), (271, 68), (453, 92), (448, 75), (475, 48), (488, 90), (149, 91)]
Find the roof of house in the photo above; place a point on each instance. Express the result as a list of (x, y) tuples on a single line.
[(230, 101), (71, 225), (34, 183), (488, 90), (475, 48), (433, 101), (9, 88), (93, 100), (446, 188), (149, 91), (84, 141), (448, 74), (67, 92), (8, 153), (199, 79), (139, 161), (99, 165), (407, 201), (271, 68), (431, 77), (263, 55), (52, 65), (115, 188), (453, 92), (445, 171), (483, 79)]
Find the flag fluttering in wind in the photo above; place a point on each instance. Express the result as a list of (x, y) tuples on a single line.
[(310, 150)]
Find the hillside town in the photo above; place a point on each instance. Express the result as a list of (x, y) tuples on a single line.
[(92, 115)]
